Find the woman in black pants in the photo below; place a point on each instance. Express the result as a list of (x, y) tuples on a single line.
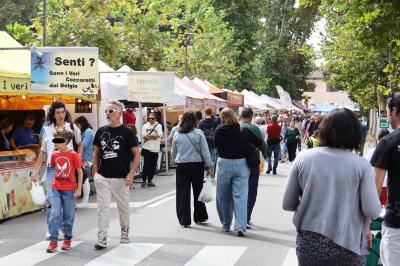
[(292, 136), (190, 151)]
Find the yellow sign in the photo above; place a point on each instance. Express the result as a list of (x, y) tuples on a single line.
[(15, 62), (14, 85)]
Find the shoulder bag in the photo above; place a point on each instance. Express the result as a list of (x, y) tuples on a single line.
[(141, 152), (194, 146), (253, 155)]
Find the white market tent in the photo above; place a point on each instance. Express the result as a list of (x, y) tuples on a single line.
[(271, 102), (252, 100)]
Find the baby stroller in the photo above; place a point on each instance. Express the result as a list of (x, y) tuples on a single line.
[(374, 252)]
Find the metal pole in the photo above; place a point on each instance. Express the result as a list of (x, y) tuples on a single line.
[(44, 21), (140, 117), (98, 105), (186, 57), (165, 138), (166, 173)]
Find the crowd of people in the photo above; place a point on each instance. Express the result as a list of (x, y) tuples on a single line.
[(330, 186)]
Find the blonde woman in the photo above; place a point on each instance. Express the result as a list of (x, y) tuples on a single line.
[(232, 172)]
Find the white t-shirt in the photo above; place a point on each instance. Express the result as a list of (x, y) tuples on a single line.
[(47, 143), (152, 145), (368, 156)]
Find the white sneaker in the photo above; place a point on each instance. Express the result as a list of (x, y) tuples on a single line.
[(60, 234), (47, 235)]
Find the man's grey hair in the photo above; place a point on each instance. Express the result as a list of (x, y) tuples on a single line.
[(117, 103)]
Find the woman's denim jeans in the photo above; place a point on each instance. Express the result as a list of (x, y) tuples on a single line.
[(232, 191), (62, 211)]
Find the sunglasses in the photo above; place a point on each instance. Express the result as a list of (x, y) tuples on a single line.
[(111, 111), (151, 118)]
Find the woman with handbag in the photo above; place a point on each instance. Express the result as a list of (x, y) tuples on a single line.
[(333, 194), (292, 138), (152, 133), (232, 143), (190, 151)]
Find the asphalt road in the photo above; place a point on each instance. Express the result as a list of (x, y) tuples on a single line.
[(156, 237)]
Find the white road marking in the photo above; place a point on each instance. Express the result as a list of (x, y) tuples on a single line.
[(217, 255), (157, 203), (291, 258), (32, 254), (125, 254), (136, 204)]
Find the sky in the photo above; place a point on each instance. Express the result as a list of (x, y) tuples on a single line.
[(316, 38)]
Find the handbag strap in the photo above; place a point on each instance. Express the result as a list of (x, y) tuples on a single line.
[(151, 131), (194, 146)]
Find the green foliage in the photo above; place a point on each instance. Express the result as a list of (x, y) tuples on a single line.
[(360, 37), (17, 11), (271, 36), (237, 44), (21, 33), (186, 37)]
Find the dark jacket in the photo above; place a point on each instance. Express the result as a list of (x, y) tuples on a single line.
[(231, 141), (208, 126)]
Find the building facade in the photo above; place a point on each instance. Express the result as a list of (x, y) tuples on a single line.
[(323, 94)]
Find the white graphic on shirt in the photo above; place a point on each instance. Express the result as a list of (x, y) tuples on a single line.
[(398, 147), (63, 167), (109, 145)]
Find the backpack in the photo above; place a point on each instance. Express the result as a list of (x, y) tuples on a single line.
[(209, 133)]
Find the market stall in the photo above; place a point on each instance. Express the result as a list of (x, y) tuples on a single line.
[(209, 100), (233, 99), (254, 101), (39, 77)]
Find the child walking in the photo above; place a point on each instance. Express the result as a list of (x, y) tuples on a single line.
[(64, 188)]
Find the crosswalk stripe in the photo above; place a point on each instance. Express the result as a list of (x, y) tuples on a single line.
[(158, 203), (217, 255), (31, 255), (125, 255), (291, 258), (138, 204)]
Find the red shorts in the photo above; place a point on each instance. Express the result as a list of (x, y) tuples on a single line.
[(383, 196)]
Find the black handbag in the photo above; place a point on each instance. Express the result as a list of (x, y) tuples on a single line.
[(253, 156)]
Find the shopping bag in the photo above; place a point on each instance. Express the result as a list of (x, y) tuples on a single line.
[(206, 193), (37, 193)]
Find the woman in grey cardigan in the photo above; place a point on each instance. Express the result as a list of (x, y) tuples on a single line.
[(333, 194), (190, 151)]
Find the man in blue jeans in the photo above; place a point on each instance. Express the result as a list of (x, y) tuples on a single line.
[(274, 138), (246, 117)]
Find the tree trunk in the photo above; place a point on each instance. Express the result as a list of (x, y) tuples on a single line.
[(381, 104)]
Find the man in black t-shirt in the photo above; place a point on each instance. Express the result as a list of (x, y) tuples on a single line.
[(114, 145), (387, 158)]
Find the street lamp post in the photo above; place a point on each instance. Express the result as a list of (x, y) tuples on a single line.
[(44, 21), (186, 53), (186, 56)]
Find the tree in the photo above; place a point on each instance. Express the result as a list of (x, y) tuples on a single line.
[(286, 59), (180, 36), (17, 11), (362, 48)]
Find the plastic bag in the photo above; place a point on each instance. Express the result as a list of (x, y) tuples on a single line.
[(206, 193), (37, 193)]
